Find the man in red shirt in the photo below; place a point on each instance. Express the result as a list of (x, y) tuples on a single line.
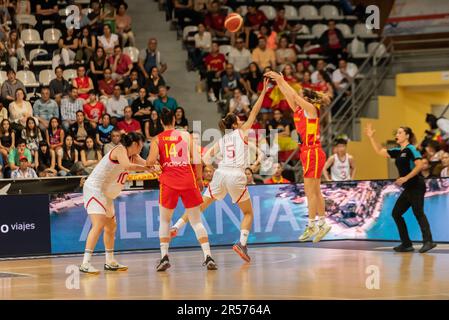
[(255, 18), (121, 64), (215, 19), (93, 109), (215, 63), (106, 86), (277, 175), (128, 124)]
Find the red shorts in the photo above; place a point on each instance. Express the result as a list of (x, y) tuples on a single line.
[(313, 160), (168, 197)]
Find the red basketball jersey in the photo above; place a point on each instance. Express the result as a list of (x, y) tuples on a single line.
[(308, 129), (174, 158)]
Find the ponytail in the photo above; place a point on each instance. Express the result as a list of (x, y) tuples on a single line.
[(167, 116), (128, 139), (227, 122)]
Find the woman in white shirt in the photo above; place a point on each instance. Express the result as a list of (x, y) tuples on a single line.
[(108, 40), (203, 43), (16, 51), (20, 109)]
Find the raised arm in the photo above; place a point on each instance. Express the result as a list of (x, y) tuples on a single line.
[(154, 153), (256, 108), (370, 131)]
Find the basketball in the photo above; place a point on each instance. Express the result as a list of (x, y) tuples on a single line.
[(233, 22)]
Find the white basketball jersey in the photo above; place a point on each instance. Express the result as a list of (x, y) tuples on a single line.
[(341, 170), (234, 151), (108, 176)]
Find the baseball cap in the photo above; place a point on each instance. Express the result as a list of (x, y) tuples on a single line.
[(23, 158)]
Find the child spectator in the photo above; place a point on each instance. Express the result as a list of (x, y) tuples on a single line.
[(45, 161), (90, 155), (24, 171), (104, 131), (32, 135), (55, 135)]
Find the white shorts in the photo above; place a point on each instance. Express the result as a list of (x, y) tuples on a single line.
[(95, 202), (224, 181)]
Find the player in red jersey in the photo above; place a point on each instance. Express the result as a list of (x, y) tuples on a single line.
[(306, 110), (177, 154)]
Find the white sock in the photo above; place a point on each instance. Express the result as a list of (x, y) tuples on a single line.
[(179, 224), (321, 221), (311, 222), (87, 256), (109, 255), (244, 237), (206, 249), (164, 249)]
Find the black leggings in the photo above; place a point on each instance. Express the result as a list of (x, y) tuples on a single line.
[(412, 196)]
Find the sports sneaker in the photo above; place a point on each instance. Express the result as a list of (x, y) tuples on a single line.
[(115, 266), (403, 248), (173, 232), (242, 251), (88, 268), (427, 246), (309, 233), (323, 230), (212, 97), (210, 263), (164, 264)]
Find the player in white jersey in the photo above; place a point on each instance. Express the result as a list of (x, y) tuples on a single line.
[(341, 164), (102, 186), (230, 176)]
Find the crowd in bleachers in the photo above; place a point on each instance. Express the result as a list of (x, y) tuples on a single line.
[(69, 93)]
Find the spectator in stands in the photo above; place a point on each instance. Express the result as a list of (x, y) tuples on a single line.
[(116, 104), (22, 7), (123, 23), (240, 57), (142, 107), (239, 105), (299, 71), (281, 25), (115, 141), (87, 43), (7, 139), (270, 36), (215, 64), (252, 80), (263, 56), (83, 83), (230, 80), (445, 164), (68, 45), (90, 155), (154, 126), (249, 176), (284, 54), (16, 51), (283, 128), (164, 101), (96, 17), (184, 9), (203, 43), (104, 131), (306, 83), (181, 122), (324, 84), (68, 158), (54, 135), (98, 65), (45, 108), (321, 65), (121, 65), (69, 107), (46, 10), (16, 153), (80, 130), (128, 124), (3, 111), (215, 19), (426, 169), (132, 85), (24, 171), (149, 58), (45, 161), (10, 86), (333, 42), (277, 175), (152, 84), (106, 86), (344, 74), (59, 87), (208, 173), (94, 109), (255, 17), (20, 109), (108, 41)]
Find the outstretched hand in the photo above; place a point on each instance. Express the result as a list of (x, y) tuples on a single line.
[(266, 82), (273, 75), (369, 130)]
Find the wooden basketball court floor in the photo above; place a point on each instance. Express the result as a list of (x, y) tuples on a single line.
[(328, 270)]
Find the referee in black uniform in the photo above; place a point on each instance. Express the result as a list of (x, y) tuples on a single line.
[(409, 164)]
